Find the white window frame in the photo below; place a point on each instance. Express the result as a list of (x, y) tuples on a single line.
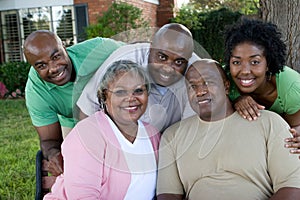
[(152, 1)]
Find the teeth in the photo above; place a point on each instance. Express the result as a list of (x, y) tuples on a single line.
[(60, 74), (246, 81), (165, 76), (204, 101), (131, 108)]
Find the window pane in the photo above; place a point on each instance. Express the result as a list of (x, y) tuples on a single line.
[(81, 21), (11, 39), (40, 18), (63, 23)]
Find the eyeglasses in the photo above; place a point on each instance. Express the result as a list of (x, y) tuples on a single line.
[(125, 93)]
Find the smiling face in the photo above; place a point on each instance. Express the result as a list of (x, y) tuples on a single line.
[(207, 91), (166, 68), (248, 67), (171, 48), (45, 52), (126, 98)]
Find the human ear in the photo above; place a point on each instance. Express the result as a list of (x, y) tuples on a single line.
[(227, 86)]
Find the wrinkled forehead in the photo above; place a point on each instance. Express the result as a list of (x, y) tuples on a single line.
[(204, 70), (173, 41), (123, 78)]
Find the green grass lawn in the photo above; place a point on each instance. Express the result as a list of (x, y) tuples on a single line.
[(18, 147)]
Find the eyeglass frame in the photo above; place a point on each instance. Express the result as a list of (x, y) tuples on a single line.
[(128, 92)]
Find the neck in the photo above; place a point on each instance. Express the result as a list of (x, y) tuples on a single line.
[(267, 93), (220, 115), (129, 131)]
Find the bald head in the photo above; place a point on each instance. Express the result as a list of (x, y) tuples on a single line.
[(175, 38), (206, 63), (37, 40)]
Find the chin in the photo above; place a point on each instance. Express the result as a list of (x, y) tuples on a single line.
[(246, 90), (165, 84)]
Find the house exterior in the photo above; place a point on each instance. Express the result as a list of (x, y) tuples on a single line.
[(67, 18)]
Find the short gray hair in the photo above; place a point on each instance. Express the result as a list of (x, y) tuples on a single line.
[(116, 68)]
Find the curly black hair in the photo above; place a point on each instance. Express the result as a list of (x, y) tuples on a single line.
[(263, 34)]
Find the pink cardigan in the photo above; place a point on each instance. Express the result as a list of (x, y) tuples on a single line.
[(94, 164)]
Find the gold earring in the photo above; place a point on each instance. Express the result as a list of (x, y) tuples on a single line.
[(269, 75)]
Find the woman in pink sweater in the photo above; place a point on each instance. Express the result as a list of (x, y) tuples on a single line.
[(111, 154)]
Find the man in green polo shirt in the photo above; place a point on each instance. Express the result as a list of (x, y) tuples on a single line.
[(50, 98)]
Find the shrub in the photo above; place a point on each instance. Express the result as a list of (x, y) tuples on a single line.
[(209, 30), (118, 18), (14, 76), (189, 17), (3, 90)]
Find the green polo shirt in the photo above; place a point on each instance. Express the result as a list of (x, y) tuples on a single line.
[(48, 103)]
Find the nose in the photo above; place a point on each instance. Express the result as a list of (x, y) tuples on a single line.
[(130, 96), (53, 68), (201, 90), (246, 68), (168, 67)]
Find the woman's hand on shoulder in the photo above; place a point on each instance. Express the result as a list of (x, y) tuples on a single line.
[(247, 107), (293, 143)]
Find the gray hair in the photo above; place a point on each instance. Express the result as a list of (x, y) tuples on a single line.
[(115, 69)]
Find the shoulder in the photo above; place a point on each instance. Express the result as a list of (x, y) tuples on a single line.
[(134, 48), (93, 43), (288, 89), (91, 133), (34, 78), (184, 125), (272, 118), (288, 77), (90, 125), (151, 130)]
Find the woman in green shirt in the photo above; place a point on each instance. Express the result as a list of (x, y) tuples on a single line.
[(255, 56)]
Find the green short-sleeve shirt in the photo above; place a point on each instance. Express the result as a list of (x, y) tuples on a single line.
[(48, 103), (288, 92)]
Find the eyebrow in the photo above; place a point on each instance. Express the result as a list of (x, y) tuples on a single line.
[(250, 56), (51, 55), (160, 52), (181, 58)]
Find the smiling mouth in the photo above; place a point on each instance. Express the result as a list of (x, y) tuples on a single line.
[(165, 76), (246, 82), (204, 101), (131, 108), (59, 74)]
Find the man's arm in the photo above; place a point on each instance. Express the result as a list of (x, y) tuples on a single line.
[(50, 143), (286, 193)]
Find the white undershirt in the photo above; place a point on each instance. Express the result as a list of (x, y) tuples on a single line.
[(141, 162)]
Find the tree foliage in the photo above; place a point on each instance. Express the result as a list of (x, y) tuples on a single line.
[(209, 30), (189, 17), (118, 18), (244, 6)]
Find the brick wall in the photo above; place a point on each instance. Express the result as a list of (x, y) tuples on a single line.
[(165, 11), (97, 7), (149, 9)]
